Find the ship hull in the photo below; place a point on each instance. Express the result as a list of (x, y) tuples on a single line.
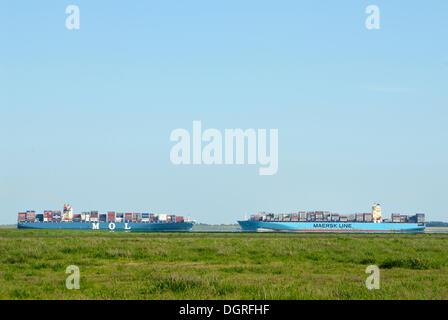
[(113, 226), (331, 227)]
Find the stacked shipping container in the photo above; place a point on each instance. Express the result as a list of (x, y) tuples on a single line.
[(111, 216), (321, 216)]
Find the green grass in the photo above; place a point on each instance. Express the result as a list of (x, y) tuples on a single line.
[(220, 265)]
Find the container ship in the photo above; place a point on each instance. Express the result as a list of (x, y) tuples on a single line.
[(324, 221), (112, 221)]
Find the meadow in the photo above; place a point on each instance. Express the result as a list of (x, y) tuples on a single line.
[(220, 265)]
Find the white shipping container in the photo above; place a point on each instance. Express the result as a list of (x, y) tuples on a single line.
[(162, 217)]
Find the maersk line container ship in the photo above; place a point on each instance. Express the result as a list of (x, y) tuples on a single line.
[(112, 221), (324, 221)]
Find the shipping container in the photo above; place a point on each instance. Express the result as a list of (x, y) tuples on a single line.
[(21, 217), (30, 216), (128, 217), (395, 217), (111, 216), (137, 217), (93, 216), (335, 217), (56, 216), (311, 216), (119, 215), (48, 216)]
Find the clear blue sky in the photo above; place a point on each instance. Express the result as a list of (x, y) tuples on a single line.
[(86, 115)]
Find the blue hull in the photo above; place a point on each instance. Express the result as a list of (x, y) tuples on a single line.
[(114, 226), (332, 227)]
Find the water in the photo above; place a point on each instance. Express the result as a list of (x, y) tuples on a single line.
[(216, 230)]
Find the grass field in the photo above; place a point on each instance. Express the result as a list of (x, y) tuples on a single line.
[(220, 265)]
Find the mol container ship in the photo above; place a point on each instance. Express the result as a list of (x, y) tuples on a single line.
[(112, 221), (324, 221)]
